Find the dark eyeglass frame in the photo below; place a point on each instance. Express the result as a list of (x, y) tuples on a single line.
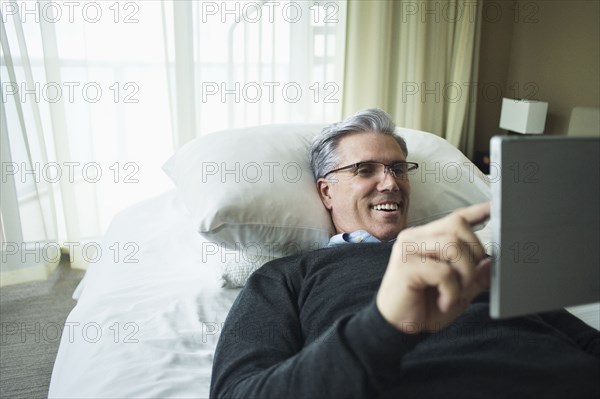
[(354, 167)]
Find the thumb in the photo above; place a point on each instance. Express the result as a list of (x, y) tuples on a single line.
[(481, 282)]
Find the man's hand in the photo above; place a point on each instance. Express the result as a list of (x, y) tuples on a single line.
[(434, 272)]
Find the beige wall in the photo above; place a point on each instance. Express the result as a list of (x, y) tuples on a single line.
[(544, 50)]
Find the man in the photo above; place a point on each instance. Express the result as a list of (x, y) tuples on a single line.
[(370, 319)]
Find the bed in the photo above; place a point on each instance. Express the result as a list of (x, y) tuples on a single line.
[(150, 310)]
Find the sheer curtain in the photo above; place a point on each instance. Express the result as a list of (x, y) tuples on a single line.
[(418, 60), (97, 95)]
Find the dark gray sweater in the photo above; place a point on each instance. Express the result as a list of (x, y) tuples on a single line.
[(307, 327)]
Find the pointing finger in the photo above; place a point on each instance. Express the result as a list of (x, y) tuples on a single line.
[(475, 214)]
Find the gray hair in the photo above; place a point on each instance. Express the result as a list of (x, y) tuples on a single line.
[(323, 157)]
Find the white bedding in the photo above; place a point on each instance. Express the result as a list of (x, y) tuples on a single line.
[(149, 329), (145, 329)]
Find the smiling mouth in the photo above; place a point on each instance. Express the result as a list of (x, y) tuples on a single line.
[(386, 207)]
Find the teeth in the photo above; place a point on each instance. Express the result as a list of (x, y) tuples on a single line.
[(386, 207)]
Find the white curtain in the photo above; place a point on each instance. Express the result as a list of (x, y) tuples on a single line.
[(97, 95)]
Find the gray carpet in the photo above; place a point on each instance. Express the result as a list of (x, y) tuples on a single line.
[(31, 320)]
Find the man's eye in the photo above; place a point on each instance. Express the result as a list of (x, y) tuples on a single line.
[(400, 170), (366, 170)]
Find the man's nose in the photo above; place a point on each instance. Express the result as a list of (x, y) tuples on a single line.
[(387, 181)]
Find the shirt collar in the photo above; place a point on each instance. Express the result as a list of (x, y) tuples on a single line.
[(358, 236)]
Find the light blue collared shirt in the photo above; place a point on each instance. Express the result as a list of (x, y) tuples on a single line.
[(358, 236)]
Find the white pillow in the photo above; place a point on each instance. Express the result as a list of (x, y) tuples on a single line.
[(252, 190), (445, 180)]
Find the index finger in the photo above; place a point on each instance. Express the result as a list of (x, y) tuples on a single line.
[(475, 214), (471, 252)]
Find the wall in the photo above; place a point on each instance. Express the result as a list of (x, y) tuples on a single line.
[(545, 50)]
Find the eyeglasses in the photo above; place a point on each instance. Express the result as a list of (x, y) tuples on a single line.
[(371, 169)]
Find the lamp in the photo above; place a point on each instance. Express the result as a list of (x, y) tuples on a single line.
[(523, 116)]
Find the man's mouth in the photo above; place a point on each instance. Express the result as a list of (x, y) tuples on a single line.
[(386, 206)]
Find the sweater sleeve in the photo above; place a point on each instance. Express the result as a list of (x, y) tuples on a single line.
[(584, 336), (262, 353)]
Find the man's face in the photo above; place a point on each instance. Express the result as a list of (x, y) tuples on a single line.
[(351, 199)]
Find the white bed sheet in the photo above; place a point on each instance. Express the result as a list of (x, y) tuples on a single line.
[(149, 329), (145, 329)]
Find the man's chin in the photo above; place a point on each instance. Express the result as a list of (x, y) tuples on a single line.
[(387, 227), (387, 234)]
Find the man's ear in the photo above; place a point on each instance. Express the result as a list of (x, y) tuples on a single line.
[(324, 187)]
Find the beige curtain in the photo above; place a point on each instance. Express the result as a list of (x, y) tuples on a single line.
[(418, 61)]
